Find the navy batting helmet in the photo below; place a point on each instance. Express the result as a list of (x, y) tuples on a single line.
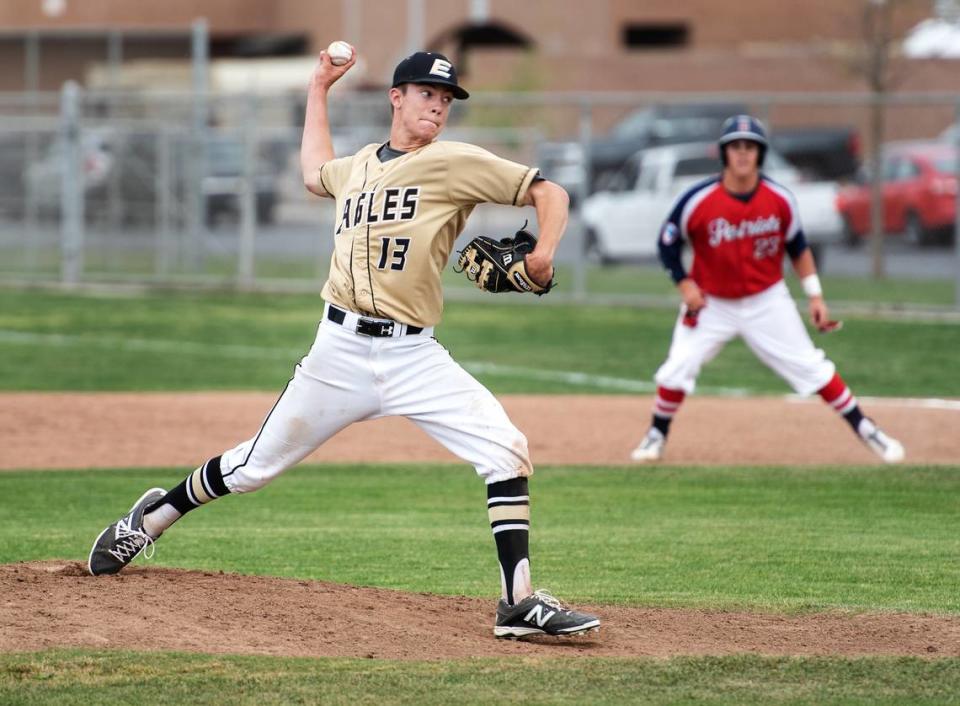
[(743, 127)]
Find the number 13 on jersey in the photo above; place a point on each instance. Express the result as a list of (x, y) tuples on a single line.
[(393, 253)]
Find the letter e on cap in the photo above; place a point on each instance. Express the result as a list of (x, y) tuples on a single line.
[(441, 68)]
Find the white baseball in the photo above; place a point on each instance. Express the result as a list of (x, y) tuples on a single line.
[(339, 53)]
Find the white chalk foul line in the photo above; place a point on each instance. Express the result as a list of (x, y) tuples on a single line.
[(224, 350), (569, 377), (915, 402)]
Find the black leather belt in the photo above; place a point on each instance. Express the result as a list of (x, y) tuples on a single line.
[(370, 327)]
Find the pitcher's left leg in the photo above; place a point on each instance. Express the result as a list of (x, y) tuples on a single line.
[(444, 400)]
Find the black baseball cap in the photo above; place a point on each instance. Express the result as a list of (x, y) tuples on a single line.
[(429, 67)]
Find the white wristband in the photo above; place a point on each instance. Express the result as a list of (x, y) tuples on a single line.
[(811, 286)]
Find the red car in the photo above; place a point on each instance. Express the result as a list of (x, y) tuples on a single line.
[(919, 194)]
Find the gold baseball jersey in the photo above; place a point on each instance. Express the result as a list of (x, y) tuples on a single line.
[(397, 222)]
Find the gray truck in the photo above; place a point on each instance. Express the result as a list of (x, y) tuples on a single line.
[(820, 153)]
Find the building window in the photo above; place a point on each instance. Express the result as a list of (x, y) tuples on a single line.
[(655, 35), (258, 46)]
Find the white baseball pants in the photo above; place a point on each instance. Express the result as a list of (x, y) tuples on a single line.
[(769, 324), (349, 377)]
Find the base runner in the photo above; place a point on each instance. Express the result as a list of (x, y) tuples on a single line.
[(739, 224)]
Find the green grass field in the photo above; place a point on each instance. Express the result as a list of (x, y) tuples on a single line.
[(122, 678), (767, 539), (179, 341), (643, 280), (762, 539)]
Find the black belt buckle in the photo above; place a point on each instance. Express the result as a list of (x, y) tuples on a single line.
[(377, 329)]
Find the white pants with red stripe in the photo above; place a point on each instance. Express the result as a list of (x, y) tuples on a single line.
[(349, 377), (769, 324)]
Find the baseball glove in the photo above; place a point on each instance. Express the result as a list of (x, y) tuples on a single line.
[(499, 266)]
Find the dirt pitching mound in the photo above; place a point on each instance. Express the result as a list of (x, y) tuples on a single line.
[(56, 604)]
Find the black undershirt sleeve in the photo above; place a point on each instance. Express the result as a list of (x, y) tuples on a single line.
[(797, 245), (670, 243), (671, 257)]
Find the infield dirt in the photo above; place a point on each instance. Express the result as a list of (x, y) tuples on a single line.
[(131, 430)]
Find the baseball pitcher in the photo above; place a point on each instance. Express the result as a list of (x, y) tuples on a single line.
[(400, 206), (739, 224)]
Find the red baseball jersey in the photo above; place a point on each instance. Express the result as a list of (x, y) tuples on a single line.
[(738, 241)]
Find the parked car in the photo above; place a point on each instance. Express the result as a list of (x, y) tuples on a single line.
[(124, 167), (562, 162), (623, 224), (951, 133), (222, 183), (96, 161), (35, 173), (822, 152), (919, 193)]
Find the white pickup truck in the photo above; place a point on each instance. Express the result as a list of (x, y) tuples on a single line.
[(623, 225)]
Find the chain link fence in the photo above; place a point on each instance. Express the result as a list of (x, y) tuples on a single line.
[(179, 189)]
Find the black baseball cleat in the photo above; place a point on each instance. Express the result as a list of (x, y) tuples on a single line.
[(122, 541), (541, 614)]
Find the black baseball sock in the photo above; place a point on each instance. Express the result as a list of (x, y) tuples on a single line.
[(198, 488), (665, 405), (508, 505), (854, 417), (662, 424)]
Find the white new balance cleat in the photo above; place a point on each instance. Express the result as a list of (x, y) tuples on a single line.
[(651, 448), (886, 447)]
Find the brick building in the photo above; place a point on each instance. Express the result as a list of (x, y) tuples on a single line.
[(686, 45)]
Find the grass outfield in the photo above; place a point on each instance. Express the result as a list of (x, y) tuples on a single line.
[(645, 280), (181, 341), (867, 539), (62, 677)]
